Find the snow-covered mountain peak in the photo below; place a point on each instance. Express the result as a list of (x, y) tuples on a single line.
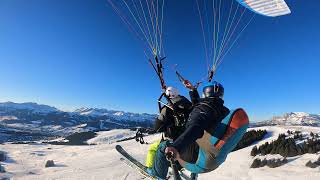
[(92, 112), (120, 113), (291, 119), (297, 118), (82, 109), (37, 108), (298, 114)]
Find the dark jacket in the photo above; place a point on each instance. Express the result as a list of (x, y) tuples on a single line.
[(206, 114), (166, 122)]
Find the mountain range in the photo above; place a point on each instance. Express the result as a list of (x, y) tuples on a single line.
[(292, 119), (27, 121)]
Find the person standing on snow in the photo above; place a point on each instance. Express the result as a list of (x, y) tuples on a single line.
[(206, 114), (171, 121)]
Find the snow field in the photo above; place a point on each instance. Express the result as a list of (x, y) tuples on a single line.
[(101, 161)]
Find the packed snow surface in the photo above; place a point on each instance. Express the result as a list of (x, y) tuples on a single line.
[(108, 137), (102, 161)]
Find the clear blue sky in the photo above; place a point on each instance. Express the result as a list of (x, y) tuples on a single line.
[(77, 53)]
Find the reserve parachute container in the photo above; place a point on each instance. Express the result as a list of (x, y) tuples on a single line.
[(217, 143)]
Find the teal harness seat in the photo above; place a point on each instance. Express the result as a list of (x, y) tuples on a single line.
[(214, 146)]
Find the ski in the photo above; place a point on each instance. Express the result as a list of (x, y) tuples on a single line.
[(133, 163), (142, 169), (133, 166)]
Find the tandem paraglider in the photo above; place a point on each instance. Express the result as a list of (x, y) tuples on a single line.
[(197, 135)]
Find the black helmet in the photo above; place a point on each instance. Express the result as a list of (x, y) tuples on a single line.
[(213, 89)]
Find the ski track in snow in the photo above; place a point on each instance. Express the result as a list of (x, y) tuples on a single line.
[(102, 161)]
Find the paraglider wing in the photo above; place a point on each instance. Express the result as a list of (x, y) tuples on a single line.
[(272, 8)]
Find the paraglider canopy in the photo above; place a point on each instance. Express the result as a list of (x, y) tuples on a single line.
[(271, 8)]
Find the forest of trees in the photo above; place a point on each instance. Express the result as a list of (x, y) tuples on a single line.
[(78, 138), (2, 158), (272, 163), (250, 137), (286, 146), (314, 164)]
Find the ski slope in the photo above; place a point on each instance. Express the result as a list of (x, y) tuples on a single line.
[(102, 161)]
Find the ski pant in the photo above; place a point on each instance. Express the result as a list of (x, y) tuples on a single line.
[(161, 164)]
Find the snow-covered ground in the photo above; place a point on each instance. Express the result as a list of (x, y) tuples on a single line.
[(108, 137), (102, 161)]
